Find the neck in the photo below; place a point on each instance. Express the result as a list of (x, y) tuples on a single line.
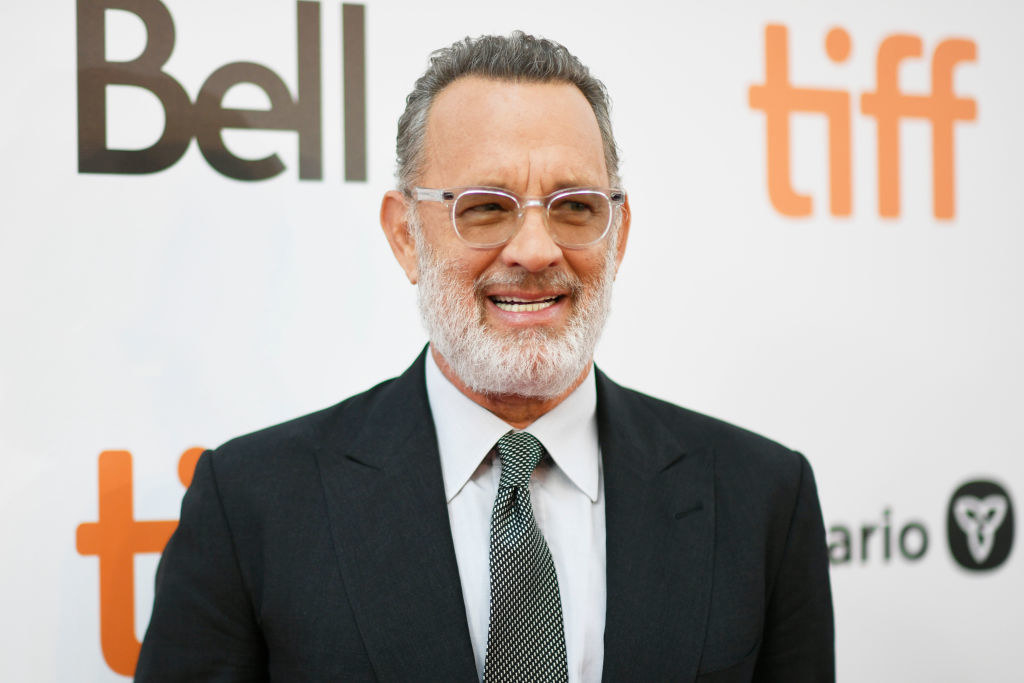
[(518, 411)]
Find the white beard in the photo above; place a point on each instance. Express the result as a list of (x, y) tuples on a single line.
[(536, 363)]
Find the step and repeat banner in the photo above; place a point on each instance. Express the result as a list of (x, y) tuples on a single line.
[(826, 248)]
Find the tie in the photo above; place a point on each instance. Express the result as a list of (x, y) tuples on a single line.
[(525, 637)]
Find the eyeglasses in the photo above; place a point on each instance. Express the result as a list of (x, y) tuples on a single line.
[(486, 217)]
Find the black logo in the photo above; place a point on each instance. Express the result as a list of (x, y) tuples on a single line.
[(206, 118), (979, 525)]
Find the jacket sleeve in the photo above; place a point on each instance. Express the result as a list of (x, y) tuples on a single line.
[(203, 625), (798, 645)]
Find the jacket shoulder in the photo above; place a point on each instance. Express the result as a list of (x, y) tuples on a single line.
[(274, 446), (738, 452)]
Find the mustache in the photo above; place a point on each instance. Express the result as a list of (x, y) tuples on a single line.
[(556, 279)]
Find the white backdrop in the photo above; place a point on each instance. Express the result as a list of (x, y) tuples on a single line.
[(153, 313)]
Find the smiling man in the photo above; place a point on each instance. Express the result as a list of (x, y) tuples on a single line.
[(513, 291), (502, 511)]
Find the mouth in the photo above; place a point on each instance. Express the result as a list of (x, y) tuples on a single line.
[(514, 304)]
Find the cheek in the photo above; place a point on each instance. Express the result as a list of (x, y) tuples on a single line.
[(458, 262), (472, 264), (587, 265), (459, 278)]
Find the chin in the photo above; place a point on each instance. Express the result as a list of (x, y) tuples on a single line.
[(533, 364)]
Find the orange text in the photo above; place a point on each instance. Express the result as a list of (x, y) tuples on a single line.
[(778, 99), (115, 538)]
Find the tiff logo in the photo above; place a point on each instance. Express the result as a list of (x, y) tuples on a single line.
[(888, 105), (115, 538)]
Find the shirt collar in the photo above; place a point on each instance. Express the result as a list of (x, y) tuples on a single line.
[(466, 432)]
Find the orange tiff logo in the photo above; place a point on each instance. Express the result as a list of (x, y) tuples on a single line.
[(888, 104), (116, 538)]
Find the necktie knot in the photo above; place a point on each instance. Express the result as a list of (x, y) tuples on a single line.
[(519, 452)]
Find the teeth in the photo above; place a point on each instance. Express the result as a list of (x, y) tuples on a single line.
[(522, 305)]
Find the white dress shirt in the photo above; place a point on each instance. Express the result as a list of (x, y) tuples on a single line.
[(568, 503)]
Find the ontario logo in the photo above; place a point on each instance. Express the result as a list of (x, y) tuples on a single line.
[(979, 532), (979, 525)]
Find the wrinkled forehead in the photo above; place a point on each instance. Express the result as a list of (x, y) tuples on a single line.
[(514, 134)]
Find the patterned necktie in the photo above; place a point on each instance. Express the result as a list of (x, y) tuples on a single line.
[(525, 637)]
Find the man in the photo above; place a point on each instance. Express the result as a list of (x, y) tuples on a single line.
[(502, 510)]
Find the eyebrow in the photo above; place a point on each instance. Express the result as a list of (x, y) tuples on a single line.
[(566, 182), (572, 182)]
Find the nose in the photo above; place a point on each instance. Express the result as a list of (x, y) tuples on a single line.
[(532, 247)]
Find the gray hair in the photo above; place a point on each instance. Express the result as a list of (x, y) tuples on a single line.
[(517, 57)]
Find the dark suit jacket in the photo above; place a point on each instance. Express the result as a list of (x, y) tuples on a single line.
[(320, 550)]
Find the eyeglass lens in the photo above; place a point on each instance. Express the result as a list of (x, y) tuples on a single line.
[(574, 219)]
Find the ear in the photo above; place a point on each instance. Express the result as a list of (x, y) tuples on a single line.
[(394, 219), (623, 233)]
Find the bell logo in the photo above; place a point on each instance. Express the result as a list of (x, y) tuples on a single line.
[(888, 105), (980, 525), (207, 118)]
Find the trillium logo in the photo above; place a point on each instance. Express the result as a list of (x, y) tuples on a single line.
[(979, 519), (980, 525)]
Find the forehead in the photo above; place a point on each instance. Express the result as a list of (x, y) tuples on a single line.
[(528, 137)]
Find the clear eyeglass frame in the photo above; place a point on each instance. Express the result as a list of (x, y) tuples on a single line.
[(450, 198)]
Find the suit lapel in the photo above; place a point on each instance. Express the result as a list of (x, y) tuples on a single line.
[(389, 521), (659, 514)]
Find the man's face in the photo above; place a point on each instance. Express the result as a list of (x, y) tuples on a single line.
[(522, 318)]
